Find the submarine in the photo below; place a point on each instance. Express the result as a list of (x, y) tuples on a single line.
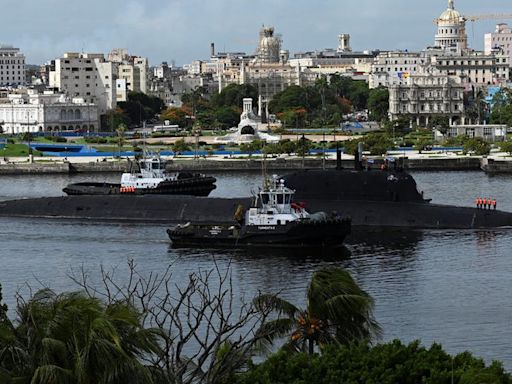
[(374, 199)]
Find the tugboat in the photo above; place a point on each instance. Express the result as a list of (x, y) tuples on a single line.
[(274, 220), (149, 177)]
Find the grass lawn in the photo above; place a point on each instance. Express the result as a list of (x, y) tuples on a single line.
[(17, 150), (111, 148)]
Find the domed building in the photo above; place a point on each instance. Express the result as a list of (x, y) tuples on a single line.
[(451, 30), (269, 46)]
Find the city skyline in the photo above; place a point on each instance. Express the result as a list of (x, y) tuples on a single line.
[(175, 30)]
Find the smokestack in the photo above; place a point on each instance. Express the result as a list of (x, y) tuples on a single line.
[(212, 49)]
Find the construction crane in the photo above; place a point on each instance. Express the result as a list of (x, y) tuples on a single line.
[(497, 16)]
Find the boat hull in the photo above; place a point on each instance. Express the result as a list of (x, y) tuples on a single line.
[(327, 233), (168, 209)]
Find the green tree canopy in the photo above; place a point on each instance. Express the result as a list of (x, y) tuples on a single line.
[(478, 146), (233, 95), (72, 338), (337, 311), (227, 116), (378, 104), (140, 107), (393, 362)]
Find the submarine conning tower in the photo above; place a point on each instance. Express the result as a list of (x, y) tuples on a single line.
[(354, 185)]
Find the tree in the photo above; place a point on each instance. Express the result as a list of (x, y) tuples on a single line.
[(441, 123), (180, 146), (113, 118), (478, 146), (227, 116), (140, 107), (501, 110), (203, 338), (176, 116), (378, 104), (72, 338), (506, 146), (423, 144), (121, 129), (233, 95), (338, 311), (358, 363), (252, 147)]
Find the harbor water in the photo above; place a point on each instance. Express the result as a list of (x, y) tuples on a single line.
[(451, 287)]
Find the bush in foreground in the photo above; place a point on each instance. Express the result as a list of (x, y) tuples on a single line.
[(393, 362)]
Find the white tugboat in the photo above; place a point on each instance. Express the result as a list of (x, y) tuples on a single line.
[(273, 220), (148, 176)]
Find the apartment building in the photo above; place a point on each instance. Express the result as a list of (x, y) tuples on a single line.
[(12, 66)]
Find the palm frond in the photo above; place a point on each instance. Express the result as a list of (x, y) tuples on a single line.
[(265, 302), (52, 374)]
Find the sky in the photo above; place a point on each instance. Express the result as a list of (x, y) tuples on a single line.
[(182, 30)]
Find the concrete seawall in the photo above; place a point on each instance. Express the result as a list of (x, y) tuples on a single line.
[(280, 164), (496, 166), (33, 169)]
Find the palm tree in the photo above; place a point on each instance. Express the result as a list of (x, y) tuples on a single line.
[(72, 338), (337, 311)]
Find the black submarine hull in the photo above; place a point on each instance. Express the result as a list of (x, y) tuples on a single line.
[(178, 209), (195, 185)]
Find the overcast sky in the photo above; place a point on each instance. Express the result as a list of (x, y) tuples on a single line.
[(182, 30)]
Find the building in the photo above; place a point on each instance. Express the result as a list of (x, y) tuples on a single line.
[(12, 66), (451, 30), (48, 112), (393, 68), (133, 69), (130, 76), (87, 76), (425, 96), (491, 132), (342, 61), (477, 69), (500, 39), (142, 64)]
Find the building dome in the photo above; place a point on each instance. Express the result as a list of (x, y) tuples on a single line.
[(451, 29), (451, 15), (269, 46)]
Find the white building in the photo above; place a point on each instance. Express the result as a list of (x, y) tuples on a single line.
[(489, 132), (131, 76), (48, 112), (425, 96), (133, 69), (87, 76), (477, 69), (12, 66), (501, 39), (142, 64), (451, 30), (121, 90), (393, 68)]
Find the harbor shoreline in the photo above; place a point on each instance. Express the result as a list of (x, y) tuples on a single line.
[(237, 165), (240, 165)]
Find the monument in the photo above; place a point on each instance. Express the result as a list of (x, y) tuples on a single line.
[(248, 128)]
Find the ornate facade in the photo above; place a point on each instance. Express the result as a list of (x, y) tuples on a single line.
[(33, 112), (426, 96)]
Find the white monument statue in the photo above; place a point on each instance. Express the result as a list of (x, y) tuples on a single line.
[(247, 130)]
